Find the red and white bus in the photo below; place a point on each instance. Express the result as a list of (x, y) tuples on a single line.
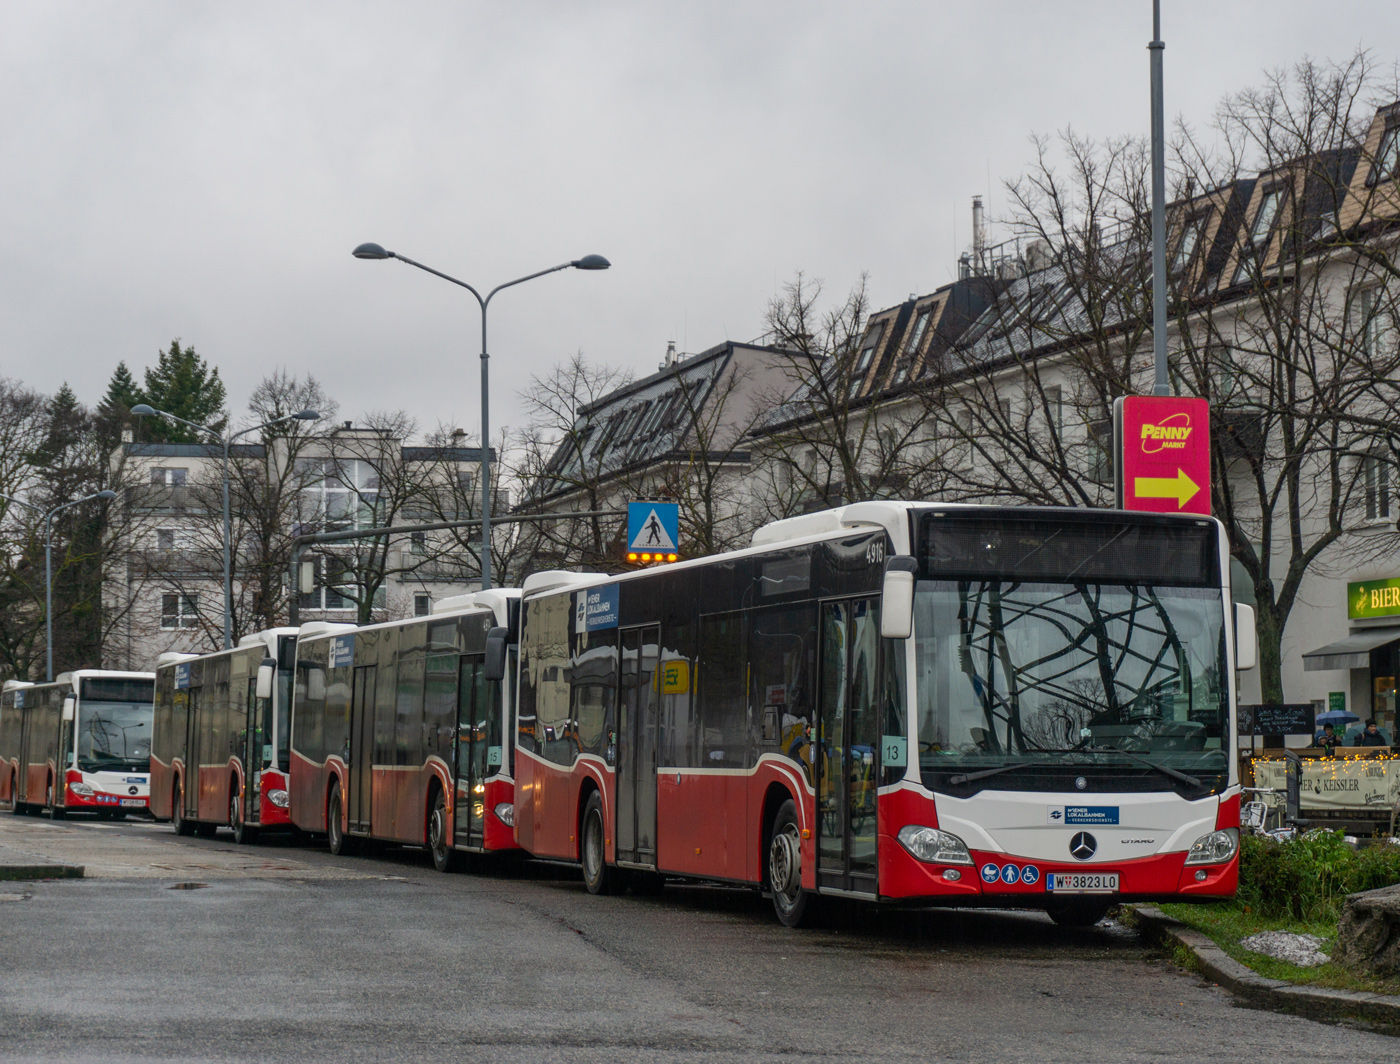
[(79, 744), (220, 754), (897, 702), (400, 731)]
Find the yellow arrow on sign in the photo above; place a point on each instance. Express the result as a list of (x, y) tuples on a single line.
[(1180, 487)]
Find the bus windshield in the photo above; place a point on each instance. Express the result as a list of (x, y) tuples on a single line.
[(114, 736), (1046, 682)]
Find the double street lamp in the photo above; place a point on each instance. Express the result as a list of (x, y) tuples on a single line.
[(588, 262), (48, 564), (145, 410)]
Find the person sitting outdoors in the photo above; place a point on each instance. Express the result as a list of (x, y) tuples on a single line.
[(1370, 737), (1327, 739)]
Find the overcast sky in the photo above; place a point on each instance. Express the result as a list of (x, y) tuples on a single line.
[(202, 171)]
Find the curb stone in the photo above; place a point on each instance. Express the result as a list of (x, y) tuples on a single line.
[(1314, 1001), (40, 871)]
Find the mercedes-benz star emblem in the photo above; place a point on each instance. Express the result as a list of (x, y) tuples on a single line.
[(1082, 846), (131, 790), (1080, 783)]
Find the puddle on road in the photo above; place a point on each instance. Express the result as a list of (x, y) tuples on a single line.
[(187, 886)]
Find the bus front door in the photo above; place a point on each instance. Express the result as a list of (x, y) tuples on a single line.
[(473, 712), (638, 704), (358, 800), (849, 748)]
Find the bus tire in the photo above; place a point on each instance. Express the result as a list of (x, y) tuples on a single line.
[(598, 877), (243, 835), (792, 902), (1079, 913), (51, 805), (336, 840), (178, 820), (439, 844)]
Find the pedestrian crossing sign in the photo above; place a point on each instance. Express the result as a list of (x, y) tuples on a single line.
[(653, 527)]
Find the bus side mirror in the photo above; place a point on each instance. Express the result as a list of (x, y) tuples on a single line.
[(496, 653), (897, 598), (70, 705), (1246, 637), (267, 674)]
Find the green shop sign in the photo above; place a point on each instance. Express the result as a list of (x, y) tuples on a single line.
[(1373, 598)]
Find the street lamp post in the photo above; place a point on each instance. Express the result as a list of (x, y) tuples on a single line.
[(48, 565), (588, 262), (145, 410)]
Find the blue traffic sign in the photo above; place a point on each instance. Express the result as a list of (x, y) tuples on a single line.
[(653, 526)]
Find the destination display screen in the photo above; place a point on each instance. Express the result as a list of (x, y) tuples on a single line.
[(1072, 547), (114, 689)]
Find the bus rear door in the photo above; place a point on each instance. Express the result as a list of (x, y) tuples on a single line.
[(638, 709), (849, 748), (359, 799)]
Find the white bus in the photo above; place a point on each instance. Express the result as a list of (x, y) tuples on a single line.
[(79, 744)]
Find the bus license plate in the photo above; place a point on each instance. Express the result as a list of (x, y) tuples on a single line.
[(136, 802), (1082, 882)]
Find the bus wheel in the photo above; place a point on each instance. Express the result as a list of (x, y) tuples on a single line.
[(444, 857), (335, 834), (1079, 914), (178, 820), (597, 876), (791, 902), (243, 835), (53, 811)]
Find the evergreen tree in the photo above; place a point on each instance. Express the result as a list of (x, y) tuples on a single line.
[(114, 412), (70, 465), (182, 383)]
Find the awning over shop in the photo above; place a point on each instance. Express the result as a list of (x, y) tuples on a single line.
[(1353, 652)]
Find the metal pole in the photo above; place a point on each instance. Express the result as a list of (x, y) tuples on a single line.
[(1159, 211), (48, 595), (228, 565), (485, 456)]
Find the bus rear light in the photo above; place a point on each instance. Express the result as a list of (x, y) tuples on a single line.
[(505, 813), (279, 799), (1215, 848), (934, 846), (82, 790)]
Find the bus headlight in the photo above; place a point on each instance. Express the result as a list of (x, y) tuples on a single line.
[(1215, 848), (505, 813), (934, 846), (279, 799), (82, 790)]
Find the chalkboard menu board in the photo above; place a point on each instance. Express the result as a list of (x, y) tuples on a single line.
[(1278, 718)]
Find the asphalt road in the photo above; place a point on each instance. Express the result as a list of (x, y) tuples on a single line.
[(279, 953)]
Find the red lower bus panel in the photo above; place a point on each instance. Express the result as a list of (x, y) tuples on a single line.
[(1228, 816), (9, 781), (496, 834), (270, 815)]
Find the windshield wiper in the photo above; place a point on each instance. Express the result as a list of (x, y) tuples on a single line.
[(1166, 770), (969, 777)]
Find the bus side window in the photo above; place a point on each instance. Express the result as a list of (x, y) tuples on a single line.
[(724, 710), (782, 649)]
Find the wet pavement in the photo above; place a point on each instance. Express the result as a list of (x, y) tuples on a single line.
[(278, 952)]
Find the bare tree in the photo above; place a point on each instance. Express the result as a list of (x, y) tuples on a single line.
[(558, 456), (1282, 284), (827, 437)]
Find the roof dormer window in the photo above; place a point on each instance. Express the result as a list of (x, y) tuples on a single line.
[(1387, 161)]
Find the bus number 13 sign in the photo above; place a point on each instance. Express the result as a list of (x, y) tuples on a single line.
[(1163, 454)]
